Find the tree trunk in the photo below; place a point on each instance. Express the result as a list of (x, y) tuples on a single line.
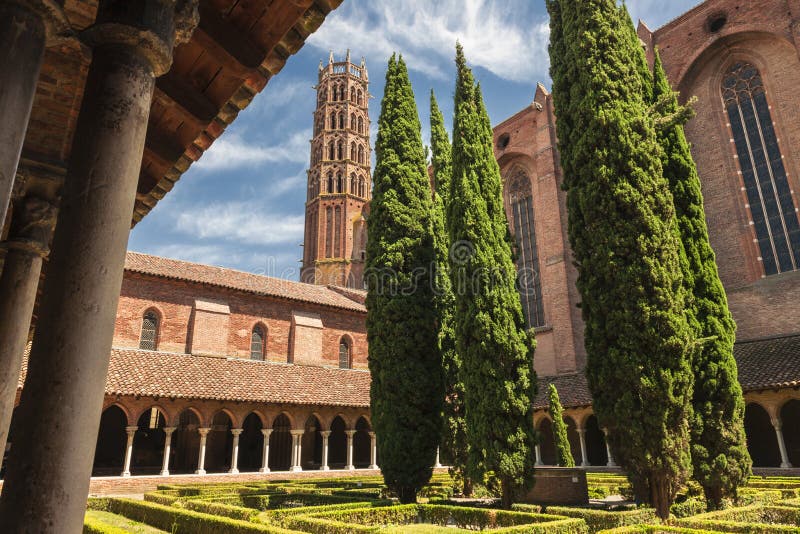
[(507, 497), (660, 498), (407, 495), (468, 487), (713, 498)]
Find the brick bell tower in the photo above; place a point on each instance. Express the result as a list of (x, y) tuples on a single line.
[(339, 179)]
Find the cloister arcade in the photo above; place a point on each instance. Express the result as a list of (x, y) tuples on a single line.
[(154, 440)]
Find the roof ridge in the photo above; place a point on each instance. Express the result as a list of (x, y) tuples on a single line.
[(768, 338)]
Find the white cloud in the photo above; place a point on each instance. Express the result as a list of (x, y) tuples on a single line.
[(495, 35), (656, 13), (244, 222), (233, 152)]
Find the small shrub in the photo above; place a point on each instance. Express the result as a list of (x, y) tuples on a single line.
[(601, 519)]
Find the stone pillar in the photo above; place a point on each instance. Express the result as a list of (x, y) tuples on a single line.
[(201, 459), (28, 243), (265, 455), (778, 426), (437, 463), (350, 434), (325, 435), (297, 451), (373, 451), (48, 472), (610, 462), (131, 431), (235, 452), (584, 456), (25, 25), (538, 452), (168, 430)]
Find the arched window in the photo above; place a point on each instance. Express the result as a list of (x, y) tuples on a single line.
[(528, 280), (335, 93), (353, 150), (148, 339), (341, 93), (258, 343), (344, 354), (362, 190), (360, 97), (353, 183), (352, 121), (340, 150), (361, 154), (339, 182), (360, 125), (331, 151), (352, 94), (333, 120), (330, 182), (341, 120), (328, 232), (768, 192)]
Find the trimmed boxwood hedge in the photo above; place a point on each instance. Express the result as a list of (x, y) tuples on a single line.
[(95, 526), (751, 519), (656, 529), (226, 510), (178, 521), (602, 519)]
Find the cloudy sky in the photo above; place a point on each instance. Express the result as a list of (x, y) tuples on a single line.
[(242, 204)]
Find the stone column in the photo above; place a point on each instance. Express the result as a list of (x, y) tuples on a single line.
[(201, 459), (373, 451), (538, 452), (48, 472), (778, 426), (325, 435), (131, 431), (25, 25), (28, 242), (350, 434), (610, 462), (437, 463), (297, 450), (168, 430), (265, 449), (235, 452), (584, 457)]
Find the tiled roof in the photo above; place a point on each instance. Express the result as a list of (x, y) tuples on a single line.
[(239, 280), (171, 375), (573, 391), (769, 363)]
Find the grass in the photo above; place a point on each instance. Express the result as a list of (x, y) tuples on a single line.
[(121, 522)]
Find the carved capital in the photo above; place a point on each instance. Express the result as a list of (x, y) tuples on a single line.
[(187, 17), (56, 25), (32, 226)]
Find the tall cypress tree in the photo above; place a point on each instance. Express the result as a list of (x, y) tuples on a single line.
[(560, 438), (454, 431), (622, 231), (497, 352), (407, 390), (719, 451)]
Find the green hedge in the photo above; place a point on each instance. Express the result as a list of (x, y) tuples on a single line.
[(689, 507), (92, 525), (179, 521), (225, 510), (159, 497), (272, 501), (656, 529), (750, 519), (600, 519)]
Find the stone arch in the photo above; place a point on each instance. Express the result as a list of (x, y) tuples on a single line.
[(547, 446), (129, 420), (361, 443), (337, 443), (360, 96), (251, 443), (112, 439), (352, 94), (761, 441), (280, 443), (341, 120), (361, 154), (574, 439), (353, 121), (790, 420), (353, 150), (595, 441), (148, 442), (219, 443), (185, 446), (311, 444), (360, 125)]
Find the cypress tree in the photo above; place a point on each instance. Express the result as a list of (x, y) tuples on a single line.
[(719, 451), (454, 430), (497, 352), (407, 390), (563, 451), (622, 229)]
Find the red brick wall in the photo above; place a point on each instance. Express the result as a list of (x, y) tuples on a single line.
[(766, 35), (175, 300)]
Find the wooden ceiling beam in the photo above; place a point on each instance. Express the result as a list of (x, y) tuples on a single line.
[(187, 97), (226, 42)]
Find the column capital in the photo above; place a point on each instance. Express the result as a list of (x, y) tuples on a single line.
[(580, 430), (203, 432), (325, 433), (297, 432), (236, 431), (350, 433), (32, 226), (777, 424), (57, 26), (168, 430), (131, 429), (266, 432), (371, 434)]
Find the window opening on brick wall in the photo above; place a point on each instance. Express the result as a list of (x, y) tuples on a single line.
[(149, 335), (344, 354), (257, 343)]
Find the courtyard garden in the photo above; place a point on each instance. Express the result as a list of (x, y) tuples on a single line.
[(354, 505)]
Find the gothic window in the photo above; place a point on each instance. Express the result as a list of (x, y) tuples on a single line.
[(334, 93), (333, 120), (353, 151), (768, 193), (340, 150), (360, 125), (341, 120), (528, 279), (352, 94), (352, 121), (330, 182), (360, 97), (344, 354), (361, 154), (331, 151), (353, 183), (339, 182), (149, 335), (362, 191), (257, 343), (328, 232), (337, 232), (341, 93)]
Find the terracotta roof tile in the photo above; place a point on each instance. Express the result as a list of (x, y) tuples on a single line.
[(171, 375), (573, 391), (769, 363), (242, 281)]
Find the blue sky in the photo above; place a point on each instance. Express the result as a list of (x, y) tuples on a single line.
[(242, 204)]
